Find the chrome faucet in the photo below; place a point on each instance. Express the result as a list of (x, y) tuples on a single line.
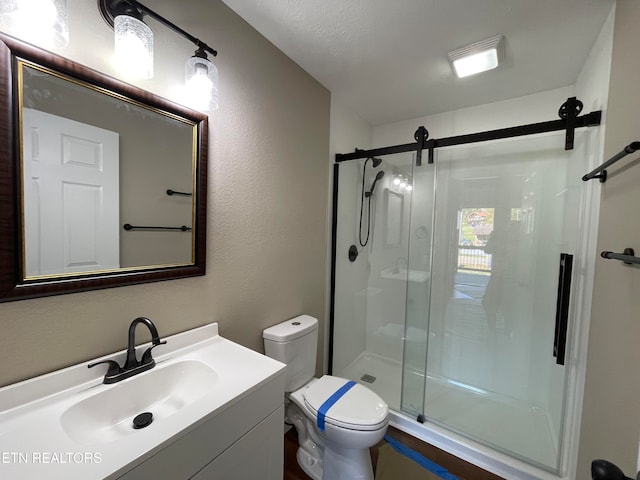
[(132, 366)]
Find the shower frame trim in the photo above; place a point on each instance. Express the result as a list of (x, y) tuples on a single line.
[(403, 421), (569, 121)]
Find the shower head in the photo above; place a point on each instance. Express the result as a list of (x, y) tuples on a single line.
[(379, 176), (374, 161)]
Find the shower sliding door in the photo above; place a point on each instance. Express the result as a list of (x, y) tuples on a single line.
[(454, 291), (494, 315), (371, 274)]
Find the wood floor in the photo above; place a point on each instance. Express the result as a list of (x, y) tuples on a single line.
[(461, 469), (292, 470)]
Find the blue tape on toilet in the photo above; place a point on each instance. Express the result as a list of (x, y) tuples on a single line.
[(330, 402)]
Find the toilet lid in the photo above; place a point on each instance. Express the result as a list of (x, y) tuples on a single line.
[(358, 409)]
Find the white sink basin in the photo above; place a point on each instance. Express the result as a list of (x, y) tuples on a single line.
[(69, 425), (108, 415), (418, 276)]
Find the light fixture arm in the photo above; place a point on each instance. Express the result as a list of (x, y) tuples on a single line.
[(111, 8)]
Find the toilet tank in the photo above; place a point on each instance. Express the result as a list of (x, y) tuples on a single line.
[(294, 342)]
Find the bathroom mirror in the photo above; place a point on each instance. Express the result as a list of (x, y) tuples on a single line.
[(102, 184)]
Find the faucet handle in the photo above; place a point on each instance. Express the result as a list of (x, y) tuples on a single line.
[(146, 356), (114, 367)]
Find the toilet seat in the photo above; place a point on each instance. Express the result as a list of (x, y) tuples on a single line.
[(358, 409)]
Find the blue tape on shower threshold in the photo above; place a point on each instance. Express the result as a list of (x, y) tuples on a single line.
[(420, 459), (330, 402)]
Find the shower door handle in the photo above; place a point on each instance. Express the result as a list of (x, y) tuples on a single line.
[(562, 307)]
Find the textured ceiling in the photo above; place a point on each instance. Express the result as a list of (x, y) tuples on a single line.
[(387, 59)]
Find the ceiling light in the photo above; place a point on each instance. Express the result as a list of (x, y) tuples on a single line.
[(42, 22), (478, 57)]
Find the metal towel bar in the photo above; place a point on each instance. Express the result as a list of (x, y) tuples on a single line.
[(128, 226), (628, 256), (173, 192), (595, 173)]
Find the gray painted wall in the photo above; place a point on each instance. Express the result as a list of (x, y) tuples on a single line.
[(267, 222), (611, 410)]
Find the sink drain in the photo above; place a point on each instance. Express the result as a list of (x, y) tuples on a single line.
[(142, 420)]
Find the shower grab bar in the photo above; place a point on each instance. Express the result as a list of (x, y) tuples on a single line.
[(562, 307), (595, 173), (627, 256), (128, 226)]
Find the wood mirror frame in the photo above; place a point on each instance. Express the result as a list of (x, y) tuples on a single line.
[(13, 285)]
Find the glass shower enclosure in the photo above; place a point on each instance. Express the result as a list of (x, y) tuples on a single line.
[(456, 308)]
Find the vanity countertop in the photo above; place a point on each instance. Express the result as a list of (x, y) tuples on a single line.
[(69, 425)]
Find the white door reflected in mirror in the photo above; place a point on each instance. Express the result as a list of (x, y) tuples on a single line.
[(71, 196)]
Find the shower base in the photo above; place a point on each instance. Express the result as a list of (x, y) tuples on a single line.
[(506, 424)]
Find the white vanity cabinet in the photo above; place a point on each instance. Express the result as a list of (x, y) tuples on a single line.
[(245, 441), (217, 414), (257, 455)]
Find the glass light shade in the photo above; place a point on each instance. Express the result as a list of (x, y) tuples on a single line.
[(396, 181), (41, 22), (133, 47), (476, 63), (201, 83)]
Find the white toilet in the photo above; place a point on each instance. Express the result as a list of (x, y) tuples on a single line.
[(337, 420)]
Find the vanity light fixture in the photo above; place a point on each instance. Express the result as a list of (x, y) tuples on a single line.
[(478, 57), (402, 182), (201, 81), (133, 45), (41, 22)]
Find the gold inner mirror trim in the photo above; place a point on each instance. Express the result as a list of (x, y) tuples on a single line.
[(95, 273), (194, 177)]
